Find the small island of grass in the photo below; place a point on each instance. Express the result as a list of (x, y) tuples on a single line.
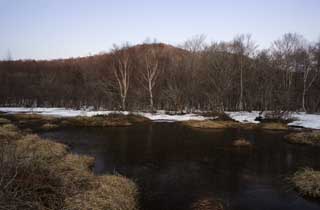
[(306, 138), (307, 182)]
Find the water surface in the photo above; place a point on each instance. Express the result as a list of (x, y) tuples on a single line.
[(182, 168)]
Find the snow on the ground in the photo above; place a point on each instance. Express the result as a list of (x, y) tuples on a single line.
[(166, 117), (302, 119), (62, 112), (244, 117), (306, 120)]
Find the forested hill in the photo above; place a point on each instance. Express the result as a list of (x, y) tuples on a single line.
[(221, 76)]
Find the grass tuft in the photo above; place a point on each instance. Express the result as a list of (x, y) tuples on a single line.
[(241, 143), (37, 174), (273, 126), (4, 121), (211, 124), (307, 182), (308, 138)]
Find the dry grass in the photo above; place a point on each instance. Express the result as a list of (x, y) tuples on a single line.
[(273, 126), (103, 193), (34, 121), (309, 138), (105, 120), (284, 117), (207, 203), (38, 117), (211, 124), (4, 121), (8, 132), (49, 126), (307, 182), (241, 143), (216, 115), (37, 174), (40, 122)]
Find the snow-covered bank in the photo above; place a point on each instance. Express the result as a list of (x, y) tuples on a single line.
[(306, 120), (244, 117), (62, 112), (302, 119)]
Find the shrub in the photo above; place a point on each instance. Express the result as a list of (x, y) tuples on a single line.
[(217, 115), (278, 116)]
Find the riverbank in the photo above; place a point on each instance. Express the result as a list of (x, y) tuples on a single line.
[(38, 122), (299, 119), (42, 174)]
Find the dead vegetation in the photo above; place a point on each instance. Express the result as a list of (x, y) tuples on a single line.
[(9, 132), (307, 182), (105, 120), (45, 123), (273, 126), (307, 138), (226, 124), (49, 126), (207, 203), (211, 124), (216, 115), (37, 174), (4, 121), (283, 117)]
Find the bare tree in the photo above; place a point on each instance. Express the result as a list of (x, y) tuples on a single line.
[(122, 67), (284, 51), (151, 71), (195, 44), (242, 47), (309, 62), (219, 75)]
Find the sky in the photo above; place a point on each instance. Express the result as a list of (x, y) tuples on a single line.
[(52, 29)]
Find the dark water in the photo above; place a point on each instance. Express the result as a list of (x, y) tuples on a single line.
[(182, 168)]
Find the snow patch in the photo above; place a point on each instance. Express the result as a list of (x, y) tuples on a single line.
[(306, 120), (302, 119), (244, 117), (62, 112)]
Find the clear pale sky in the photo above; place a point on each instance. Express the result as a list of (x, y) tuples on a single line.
[(48, 29)]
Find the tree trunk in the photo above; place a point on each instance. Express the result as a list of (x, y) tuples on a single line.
[(123, 103), (304, 101), (241, 90), (151, 101), (150, 95)]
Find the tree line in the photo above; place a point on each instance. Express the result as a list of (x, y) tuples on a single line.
[(217, 76)]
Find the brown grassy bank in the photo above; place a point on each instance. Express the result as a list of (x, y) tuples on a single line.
[(41, 122), (227, 124), (37, 174), (306, 138)]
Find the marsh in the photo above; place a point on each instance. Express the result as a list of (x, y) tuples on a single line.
[(177, 167)]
